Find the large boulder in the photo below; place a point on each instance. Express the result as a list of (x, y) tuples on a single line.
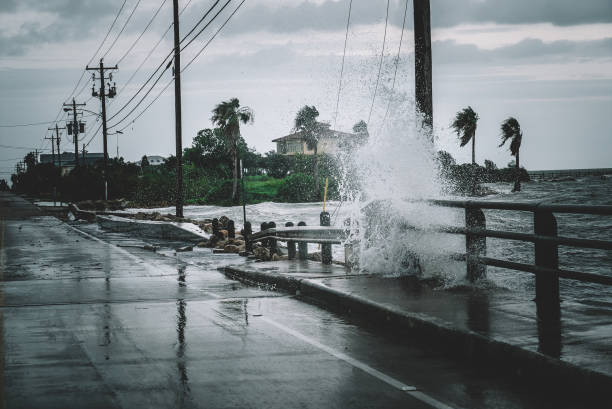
[(262, 253), (231, 248)]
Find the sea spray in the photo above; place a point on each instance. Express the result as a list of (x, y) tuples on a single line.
[(385, 184)]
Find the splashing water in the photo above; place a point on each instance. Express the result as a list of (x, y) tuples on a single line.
[(385, 183)]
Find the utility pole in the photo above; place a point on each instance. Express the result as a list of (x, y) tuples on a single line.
[(177, 111), (74, 128), (422, 64), (57, 140), (52, 146), (102, 94)]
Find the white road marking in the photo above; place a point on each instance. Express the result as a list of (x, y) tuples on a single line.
[(132, 256), (410, 390)]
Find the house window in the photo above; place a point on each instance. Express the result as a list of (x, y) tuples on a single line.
[(294, 147)]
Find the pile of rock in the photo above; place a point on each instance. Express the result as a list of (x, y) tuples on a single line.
[(103, 205), (224, 236)]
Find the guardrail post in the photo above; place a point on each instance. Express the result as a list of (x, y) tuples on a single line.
[(247, 231), (231, 230), (272, 242), (302, 247), (290, 244), (215, 227), (546, 255), (475, 246), (326, 250), (262, 227)]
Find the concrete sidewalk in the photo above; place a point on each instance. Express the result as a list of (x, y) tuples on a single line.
[(486, 326)]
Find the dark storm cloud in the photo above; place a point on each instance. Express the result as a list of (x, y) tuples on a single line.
[(73, 19), (530, 49), (331, 15), (82, 18)]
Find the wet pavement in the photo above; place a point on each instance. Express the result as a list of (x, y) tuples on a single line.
[(90, 319)]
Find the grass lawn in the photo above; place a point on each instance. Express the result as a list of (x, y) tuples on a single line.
[(261, 188)]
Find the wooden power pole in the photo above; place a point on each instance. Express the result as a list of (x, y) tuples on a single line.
[(177, 110), (74, 128), (422, 64), (102, 94)]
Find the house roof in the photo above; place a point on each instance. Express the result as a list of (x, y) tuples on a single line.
[(327, 133)]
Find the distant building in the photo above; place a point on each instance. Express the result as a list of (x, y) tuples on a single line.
[(155, 160), (330, 142), (67, 159)]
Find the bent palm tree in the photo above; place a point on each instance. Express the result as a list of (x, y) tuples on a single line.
[(227, 116), (465, 127), (306, 122), (511, 129)]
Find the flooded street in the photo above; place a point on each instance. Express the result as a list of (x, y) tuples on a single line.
[(91, 319)]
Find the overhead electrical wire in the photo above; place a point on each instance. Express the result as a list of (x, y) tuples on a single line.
[(184, 68), (89, 62), (382, 54), (30, 124), (348, 21), (213, 37), (208, 24), (122, 28), (142, 33), (151, 51), (165, 69), (397, 58)]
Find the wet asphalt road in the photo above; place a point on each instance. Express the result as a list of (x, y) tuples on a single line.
[(91, 320)]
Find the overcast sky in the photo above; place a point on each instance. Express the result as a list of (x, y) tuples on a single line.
[(547, 63)]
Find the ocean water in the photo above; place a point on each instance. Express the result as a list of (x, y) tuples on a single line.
[(387, 254)]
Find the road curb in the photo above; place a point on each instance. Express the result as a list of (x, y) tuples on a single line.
[(438, 334)]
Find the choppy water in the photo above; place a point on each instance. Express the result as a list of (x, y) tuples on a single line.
[(589, 190)]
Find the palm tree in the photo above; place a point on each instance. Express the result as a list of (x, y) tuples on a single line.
[(306, 123), (511, 129), (227, 116), (465, 127)]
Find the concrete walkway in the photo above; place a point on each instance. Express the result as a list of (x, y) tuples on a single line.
[(489, 326)]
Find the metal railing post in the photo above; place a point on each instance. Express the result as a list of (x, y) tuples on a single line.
[(475, 246), (231, 230), (302, 247), (272, 242), (326, 249), (263, 227), (546, 255), (290, 244), (247, 231), (215, 227)]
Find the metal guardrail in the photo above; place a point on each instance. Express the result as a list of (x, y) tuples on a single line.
[(544, 237)]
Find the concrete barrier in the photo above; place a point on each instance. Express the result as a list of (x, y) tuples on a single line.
[(154, 229)]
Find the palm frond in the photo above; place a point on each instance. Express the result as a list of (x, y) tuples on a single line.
[(465, 125), (511, 129)]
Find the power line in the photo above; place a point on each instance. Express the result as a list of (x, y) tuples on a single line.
[(30, 124), (20, 147), (156, 70), (208, 24), (382, 53), (147, 107), (190, 62), (399, 49), (99, 48), (151, 51), (213, 37), (89, 62), (200, 21), (122, 28), (142, 33), (348, 21)]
